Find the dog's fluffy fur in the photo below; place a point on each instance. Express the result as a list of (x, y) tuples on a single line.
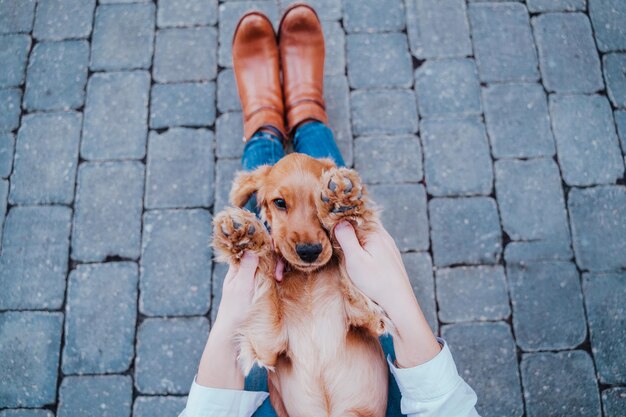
[(314, 331)]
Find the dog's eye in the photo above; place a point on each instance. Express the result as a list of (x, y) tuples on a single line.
[(280, 203)]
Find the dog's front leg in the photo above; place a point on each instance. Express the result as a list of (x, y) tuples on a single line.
[(344, 197), (261, 337)]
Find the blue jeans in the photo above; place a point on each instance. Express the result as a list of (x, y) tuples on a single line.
[(314, 139)]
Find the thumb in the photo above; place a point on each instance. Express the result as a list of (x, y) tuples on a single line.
[(248, 264), (344, 232)]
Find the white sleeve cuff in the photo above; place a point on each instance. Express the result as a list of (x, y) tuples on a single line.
[(216, 402), (429, 380)]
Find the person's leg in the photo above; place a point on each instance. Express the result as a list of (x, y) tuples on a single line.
[(316, 139), (393, 392), (264, 148), (257, 381)]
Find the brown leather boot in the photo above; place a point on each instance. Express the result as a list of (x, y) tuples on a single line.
[(301, 44), (257, 72)]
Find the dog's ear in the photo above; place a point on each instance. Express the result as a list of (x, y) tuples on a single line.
[(328, 163), (247, 183)]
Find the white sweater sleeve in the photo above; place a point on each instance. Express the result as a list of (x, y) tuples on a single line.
[(214, 402), (434, 388)]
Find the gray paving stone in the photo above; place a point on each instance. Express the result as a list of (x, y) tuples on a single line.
[(609, 22), (217, 281), (122, 1), (598, 219), (180, 169), (7, 148), (503, 42), (231, 12), (26, 412), (615, 76), (438, 28), (486, 359), (465, 231), (456, 157), (175, 263), (568, 58), (225, 174), (517, 120), (13, 55), (537, 251), (620, 121), (100, 319), (390, 112), (95, 396), (184, 104), (373, 16), (404, 213), (227, 95), (160, 406), (229, 131), (472, 293), (46, 156), (108, 205), (163, 371), (185, 55), (4, 194), (337, 98), (547, 302), (176, 13), (419, 267), (586, 142), (543, 375), (17, 15), (325, 9), (614, 402), (448, 87), (540, 6), (604, 298), (56, 77), (123, 37), (33, 263), (374, 165), (29, 357), (530, 197), (378, 60), (115, 116), (10, 109), (63, 19), (335, 41)]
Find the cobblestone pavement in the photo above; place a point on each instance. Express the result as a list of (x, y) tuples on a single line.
[(492, 132)]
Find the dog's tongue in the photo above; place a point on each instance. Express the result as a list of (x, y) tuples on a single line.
[(280, 268)]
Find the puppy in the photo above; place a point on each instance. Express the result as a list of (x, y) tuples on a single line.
[(314, 331)]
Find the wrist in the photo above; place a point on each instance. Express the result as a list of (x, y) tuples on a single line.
[(223, 332)]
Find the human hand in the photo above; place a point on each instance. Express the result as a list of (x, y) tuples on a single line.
[(237, 292), (375, 268)]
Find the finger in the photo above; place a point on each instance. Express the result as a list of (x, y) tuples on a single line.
[(230, 274), (249, 263), (344, 232), (280, 268)]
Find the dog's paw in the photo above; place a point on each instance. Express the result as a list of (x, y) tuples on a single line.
[(235, 231), (341, 196)]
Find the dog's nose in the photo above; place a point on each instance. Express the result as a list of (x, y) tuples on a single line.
[(308, 252)]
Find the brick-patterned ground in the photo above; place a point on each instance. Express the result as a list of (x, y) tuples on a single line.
[(492, 132)]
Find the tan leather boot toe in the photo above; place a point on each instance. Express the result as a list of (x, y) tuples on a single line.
[(301, 44), (257, 73)]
